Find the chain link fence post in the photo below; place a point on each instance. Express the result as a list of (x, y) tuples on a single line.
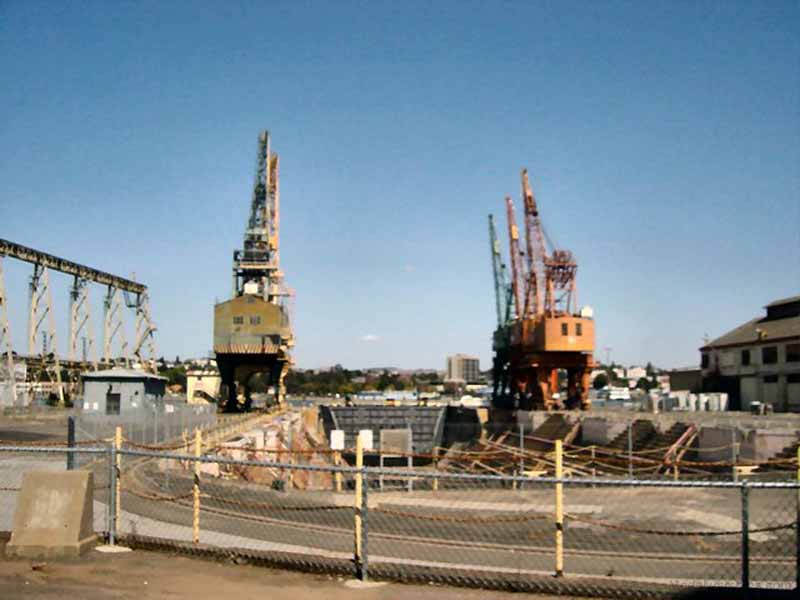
[(198, 445), (117, 475), (112, 494), (559, 510), (521, 451), (70, 443), (357, 505), (745, 536), (797, 526)]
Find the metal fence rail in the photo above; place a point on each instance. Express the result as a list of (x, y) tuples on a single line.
[(587, 536)]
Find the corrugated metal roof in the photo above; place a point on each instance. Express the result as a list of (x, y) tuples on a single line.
[(749, 332), (120, 373)]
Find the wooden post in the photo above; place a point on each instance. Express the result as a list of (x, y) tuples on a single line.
[(675, 470), (290, 476), (630, 450), (559, 510), (357, 504), (337, 461), (118, 466), (436, 469), (198, 444), (185, 437)]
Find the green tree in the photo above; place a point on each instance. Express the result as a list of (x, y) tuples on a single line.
[(600, 381), (645, 384), (176, 376)]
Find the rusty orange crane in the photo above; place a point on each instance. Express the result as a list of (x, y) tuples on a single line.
[(544, 334)]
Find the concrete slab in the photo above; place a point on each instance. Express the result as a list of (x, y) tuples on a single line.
[(54, 515)]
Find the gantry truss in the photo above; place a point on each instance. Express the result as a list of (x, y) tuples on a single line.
[(120, 295)]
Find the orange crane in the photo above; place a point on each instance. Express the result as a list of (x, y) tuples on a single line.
[(546, 335)]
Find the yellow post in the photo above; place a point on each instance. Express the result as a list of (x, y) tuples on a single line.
[(435, 468), (290, 478), (337, 461), (559, 510), (118, 446), (198, 443), (359, 465), (185, 438)]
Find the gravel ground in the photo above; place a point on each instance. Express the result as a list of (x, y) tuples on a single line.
[(140, 574)]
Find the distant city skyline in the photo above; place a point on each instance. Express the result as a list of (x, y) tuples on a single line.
[(663, 143)]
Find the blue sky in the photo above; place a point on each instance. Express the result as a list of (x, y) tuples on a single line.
[(663, 142)]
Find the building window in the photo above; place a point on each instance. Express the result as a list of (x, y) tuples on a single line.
[(769, 355), (112, 404), (745, 357), (793, 378), (255, 320), (578, 328), (792, 352), (770, 379), (238, 320), (704, 361), (564, 329)]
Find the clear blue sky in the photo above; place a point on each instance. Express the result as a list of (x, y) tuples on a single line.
[(663, 140)]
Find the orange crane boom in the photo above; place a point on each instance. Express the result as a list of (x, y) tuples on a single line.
[(537, 252)]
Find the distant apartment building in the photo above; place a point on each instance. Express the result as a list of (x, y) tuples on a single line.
[(461, 367), (758, 361)]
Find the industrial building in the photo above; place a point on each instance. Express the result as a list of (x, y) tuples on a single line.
[(121, 391), (202, 385), (758, 361), (461, 367)]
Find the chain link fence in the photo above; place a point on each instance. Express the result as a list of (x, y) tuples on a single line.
[(311, 510), (153, 424)]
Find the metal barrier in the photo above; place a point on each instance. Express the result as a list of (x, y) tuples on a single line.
[(583, 536)]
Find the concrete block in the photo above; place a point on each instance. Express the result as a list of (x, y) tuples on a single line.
[(211, 469), (53, 518)]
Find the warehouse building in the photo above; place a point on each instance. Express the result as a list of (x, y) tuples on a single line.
[(759, 361)]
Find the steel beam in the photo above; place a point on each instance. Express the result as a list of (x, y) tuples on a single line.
[(63, 265), (81, 322)]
